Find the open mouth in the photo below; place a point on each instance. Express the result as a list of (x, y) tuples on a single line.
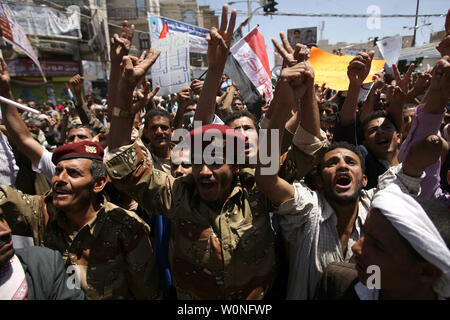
[(343, 182), (383, 143)]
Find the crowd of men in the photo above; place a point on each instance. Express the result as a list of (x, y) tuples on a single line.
[(107, 200)]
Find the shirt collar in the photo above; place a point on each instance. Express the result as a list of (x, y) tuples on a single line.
[(58, 218), (328, 212)]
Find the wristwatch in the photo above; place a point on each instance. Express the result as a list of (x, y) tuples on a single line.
[(121, 113)]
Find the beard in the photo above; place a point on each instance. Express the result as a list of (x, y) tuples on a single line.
[(332, 196)]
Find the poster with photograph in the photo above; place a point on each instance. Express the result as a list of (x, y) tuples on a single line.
[(306, 36)]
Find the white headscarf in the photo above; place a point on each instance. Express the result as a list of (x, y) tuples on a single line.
[(411, 221)]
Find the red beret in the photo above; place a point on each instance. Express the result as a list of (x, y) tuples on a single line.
[(84, 149), (216, 130)]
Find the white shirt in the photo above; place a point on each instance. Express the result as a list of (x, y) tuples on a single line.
[(308, 223), (46, 166)]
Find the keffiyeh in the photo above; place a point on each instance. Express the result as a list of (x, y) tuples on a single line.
[(411, 221)]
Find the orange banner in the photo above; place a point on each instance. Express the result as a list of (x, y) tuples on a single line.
[(332, 69)]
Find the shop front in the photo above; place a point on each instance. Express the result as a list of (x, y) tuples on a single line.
[(27, 83)]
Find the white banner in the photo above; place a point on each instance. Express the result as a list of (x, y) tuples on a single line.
[(197, 42), (12, 33), (92, 70), (390, 49), (45, 21), (172, 70)]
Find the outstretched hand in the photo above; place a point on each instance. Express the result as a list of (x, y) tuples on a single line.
[(219, 41), (403, 82), (5, 78), (291, 55), (133, 70), (142, 97), (76, 82), (396, 96), (440, 81), (120, 46), (359, 68)]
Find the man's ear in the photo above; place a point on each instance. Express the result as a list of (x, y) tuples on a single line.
[(99, 184), (399, 138), (364, 180)]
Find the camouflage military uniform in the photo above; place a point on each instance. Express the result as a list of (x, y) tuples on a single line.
[(214, 255), (87, 117), (112, 252)]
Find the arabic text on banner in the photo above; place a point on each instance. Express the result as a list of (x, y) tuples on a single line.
[(172, 71), (332, 69), (197, 42), (250, 52)]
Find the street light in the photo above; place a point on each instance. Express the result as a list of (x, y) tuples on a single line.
[(249, 6)]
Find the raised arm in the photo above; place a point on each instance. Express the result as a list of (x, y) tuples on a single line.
[(17, 128), (396, 97), (225, 106), (420, 86), (183, 97), (295, 82), (87, 117), (125, 107), (357, 72), (120, 47), (219, 42), (368, 105)]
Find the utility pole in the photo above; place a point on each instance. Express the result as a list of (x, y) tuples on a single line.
[(415, 25), (249, 6)]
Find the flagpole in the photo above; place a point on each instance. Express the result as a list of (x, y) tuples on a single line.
[(18, 105)]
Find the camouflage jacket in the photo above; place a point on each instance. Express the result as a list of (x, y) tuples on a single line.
[(226, 254), (111, 255)]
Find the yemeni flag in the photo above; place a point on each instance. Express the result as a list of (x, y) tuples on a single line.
[(164, 31), (248, 66), (69, 92)]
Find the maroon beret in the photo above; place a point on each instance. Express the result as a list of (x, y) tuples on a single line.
[(220, 132), (84, 149)]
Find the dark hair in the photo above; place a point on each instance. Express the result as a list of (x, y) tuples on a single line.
[(80, 125), (348, 146), (237, 98), (97, 169), (239, 114), (191, 102), (376, 115), (157, 112), (331, 104)]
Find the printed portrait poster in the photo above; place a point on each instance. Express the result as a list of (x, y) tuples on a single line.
[(302, 35)]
